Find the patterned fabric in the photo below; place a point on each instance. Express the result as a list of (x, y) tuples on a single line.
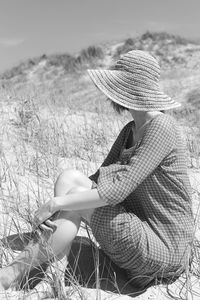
[(147, 226)]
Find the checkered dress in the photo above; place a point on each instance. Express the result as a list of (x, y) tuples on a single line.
[(147, 226)]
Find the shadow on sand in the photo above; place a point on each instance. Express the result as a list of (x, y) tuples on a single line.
[(88, 266)]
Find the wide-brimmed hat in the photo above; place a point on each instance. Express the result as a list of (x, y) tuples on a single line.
[(133, 82)]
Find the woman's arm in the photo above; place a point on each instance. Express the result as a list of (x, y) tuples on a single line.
[(84, 199), (78, 201), (116, 182)]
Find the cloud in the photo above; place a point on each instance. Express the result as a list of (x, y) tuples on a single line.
[(11, 42)]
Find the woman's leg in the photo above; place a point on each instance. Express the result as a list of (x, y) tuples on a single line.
[(50, 245)]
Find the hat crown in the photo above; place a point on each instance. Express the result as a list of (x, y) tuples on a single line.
[(139, 63)]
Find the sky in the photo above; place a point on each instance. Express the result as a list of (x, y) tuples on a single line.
[(30, 28)]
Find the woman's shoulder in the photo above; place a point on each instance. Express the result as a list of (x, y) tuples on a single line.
[(165, 121), (163, 127), (165, 117), (160, 122)]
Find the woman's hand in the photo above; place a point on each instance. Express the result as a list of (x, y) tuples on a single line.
[(43, 214)]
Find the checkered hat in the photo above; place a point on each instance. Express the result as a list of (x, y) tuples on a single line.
[(134, 83)]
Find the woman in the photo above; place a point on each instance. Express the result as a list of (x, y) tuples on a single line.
[(138, 203)]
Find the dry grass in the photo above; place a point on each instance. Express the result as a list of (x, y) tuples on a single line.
[(41, 138), (37, 144)]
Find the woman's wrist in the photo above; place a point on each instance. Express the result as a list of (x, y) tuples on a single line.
[(54, 205), (57, 204)]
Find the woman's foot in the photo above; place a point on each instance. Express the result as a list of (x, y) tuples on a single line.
[(42, 290), (6, 278), (3, 283), (13, 295)]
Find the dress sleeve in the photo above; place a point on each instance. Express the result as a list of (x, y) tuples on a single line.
[(116, 182), (114, 151)]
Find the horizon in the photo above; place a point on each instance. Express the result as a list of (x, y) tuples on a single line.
[(30, 29)]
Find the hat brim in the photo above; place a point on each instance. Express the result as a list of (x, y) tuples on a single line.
[(118, 87)]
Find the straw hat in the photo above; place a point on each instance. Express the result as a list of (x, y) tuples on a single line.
[(134, 83)]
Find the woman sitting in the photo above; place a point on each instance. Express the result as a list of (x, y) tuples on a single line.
[(138, 203)]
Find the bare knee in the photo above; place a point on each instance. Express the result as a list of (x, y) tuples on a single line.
[(70, 180), (68, 176), (73, 177)]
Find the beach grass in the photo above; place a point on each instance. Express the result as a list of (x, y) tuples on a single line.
[(41, 136)]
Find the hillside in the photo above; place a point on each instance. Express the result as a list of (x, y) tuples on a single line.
[(53, 117), (65, 75)]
